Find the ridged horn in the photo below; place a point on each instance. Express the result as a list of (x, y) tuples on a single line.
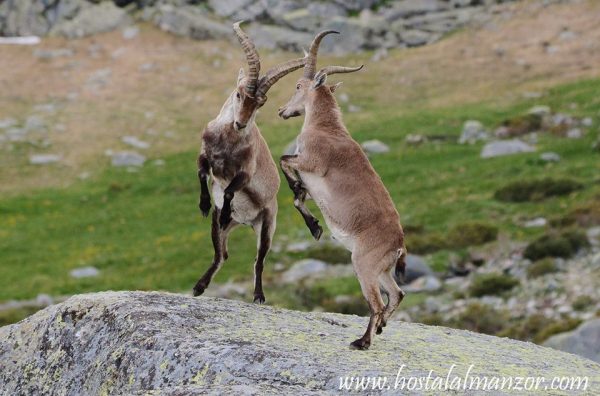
[(311, 64), (277, 72), (338, 69), (251, 57)]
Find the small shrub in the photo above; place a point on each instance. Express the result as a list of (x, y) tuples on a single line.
[(557, 327), (582, 302), (427, 243), (536, 190), (329, 253), (538, 328), (11, 316), (586, 215), (491, 284), (541, 267), (471, 234), (523, 124), (564, 245), (480, 318)]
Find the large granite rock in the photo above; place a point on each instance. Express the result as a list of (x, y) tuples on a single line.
[(157, 343), (583, 341)]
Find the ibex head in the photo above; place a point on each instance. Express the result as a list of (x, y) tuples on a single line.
[(312, 80), (251, 90)]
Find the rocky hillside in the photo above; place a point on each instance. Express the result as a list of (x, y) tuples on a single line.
[(364, 24), (133, 342)]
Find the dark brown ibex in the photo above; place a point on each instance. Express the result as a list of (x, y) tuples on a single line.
[(245, 179), (334, 170)]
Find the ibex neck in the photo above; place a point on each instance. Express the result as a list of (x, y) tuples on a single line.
[(323, 112)]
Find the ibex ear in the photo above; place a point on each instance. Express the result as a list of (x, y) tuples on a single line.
[(333, 87), (241, 75), (319, 80)]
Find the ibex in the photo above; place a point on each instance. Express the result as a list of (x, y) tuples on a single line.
[(334, 170), (245, 179)]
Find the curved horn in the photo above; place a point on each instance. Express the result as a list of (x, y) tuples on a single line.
[(251, 57), (311, 63), (338, 69), (277, 72)]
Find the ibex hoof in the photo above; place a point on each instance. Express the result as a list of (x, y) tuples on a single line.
[(204, 207), (316, 230), (379, 330), (259, 299), (199, 289), (360, 344)]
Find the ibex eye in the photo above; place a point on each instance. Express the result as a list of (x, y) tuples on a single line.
[(238, 95), (298, 86)]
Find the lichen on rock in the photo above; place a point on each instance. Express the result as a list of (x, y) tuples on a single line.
[(138, 342)]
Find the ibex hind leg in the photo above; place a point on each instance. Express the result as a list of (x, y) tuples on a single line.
[(395, 296), (219, 240), (370, 288), (264, 231)]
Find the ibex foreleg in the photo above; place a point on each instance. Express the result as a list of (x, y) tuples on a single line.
[(203, 174), (236, 184), (299, 190)]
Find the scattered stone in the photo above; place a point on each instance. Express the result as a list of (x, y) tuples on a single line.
[(127, 158), (574, 133), (44, 159), (583, 341), (7, 123), (135, 142), (16, 134), (84, 272), (298, 247), (375, 147), (550, 157), (473, 131), (131, 32), (47, 54), (146, 67), (35, 123), (99, 78), (587, 122), (159, 162), (567, 34), (354, 108), (424, 284), (44, 300), (344, 98), (379, 55), (505, 147), (535, 223), (303, 269), (540, 110), (415, 139)]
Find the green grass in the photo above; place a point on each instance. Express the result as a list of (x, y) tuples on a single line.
[(143, 230)]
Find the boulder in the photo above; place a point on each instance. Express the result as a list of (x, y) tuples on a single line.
[(415, 38), (103, 17), (505, 147), (472, 132), (190, 22), (127, 158), (226, 8), (408, 8), (44, 159), (375, 147), (137, 343), (583, 341), (304, 269), (273, 37), (416, 267), (550, 157)]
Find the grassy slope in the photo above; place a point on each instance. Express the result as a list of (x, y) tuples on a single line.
[(143, 230)]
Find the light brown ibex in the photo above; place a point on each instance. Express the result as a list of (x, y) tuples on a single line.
[(334, 170), (245, 179)]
